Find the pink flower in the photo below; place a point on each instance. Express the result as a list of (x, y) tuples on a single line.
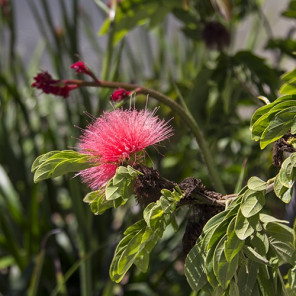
[(119, 95), (48, 85), (116, 136), (99, 175)]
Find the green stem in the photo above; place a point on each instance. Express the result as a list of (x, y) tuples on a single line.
[(84, 236), (39, 262), (110, 43), (186, 117)]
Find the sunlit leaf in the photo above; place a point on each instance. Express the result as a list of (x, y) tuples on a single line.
[(57, 163), (194, 268), (121, 185), (244, 227), (278, 126), (253, 203), (141, 238), (256, 184), (223, 269), (233, 244)]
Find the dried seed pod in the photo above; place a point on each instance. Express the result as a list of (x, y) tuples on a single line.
[(198, 217), (149, 185)]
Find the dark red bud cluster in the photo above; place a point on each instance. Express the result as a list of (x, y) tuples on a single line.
[(48, 85)]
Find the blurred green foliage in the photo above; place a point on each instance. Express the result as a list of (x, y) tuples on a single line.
[(50, 242)]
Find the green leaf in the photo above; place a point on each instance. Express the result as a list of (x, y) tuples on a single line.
[(246, 277), (272, 121), (194, 268), (244, 227), (287, 196), (121, 185), (98, 202), (174, 223), (129, 254), (141, 238), (278, 126), (159, 214), (41, 158), (133, 13), (253, 255), (280, 232), (218, 233), (279, 188), (284, 250), (219, 291), (149, 240), (253, 203), (266, 108), (233, 244), (127, 242), (257, 184), (215, 221), (233, 289), (153, 215), (285, 173), (112, 192), (209, 266), (223, 269), (259, 113), (283, 184), (235, 205), (262, 123), (264, 218), (256, 291), (141, 259), (57, 163), (260, 243), (266, 285), (289, 75), (138, 226), (288, 87)]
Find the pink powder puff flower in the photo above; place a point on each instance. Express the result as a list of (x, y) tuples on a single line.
[(48, 85), (116, 136)]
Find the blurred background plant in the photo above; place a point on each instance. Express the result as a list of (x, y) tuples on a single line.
[(214, 57)]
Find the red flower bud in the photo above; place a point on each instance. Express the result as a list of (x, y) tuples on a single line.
[(119, 95), (80, 67)]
